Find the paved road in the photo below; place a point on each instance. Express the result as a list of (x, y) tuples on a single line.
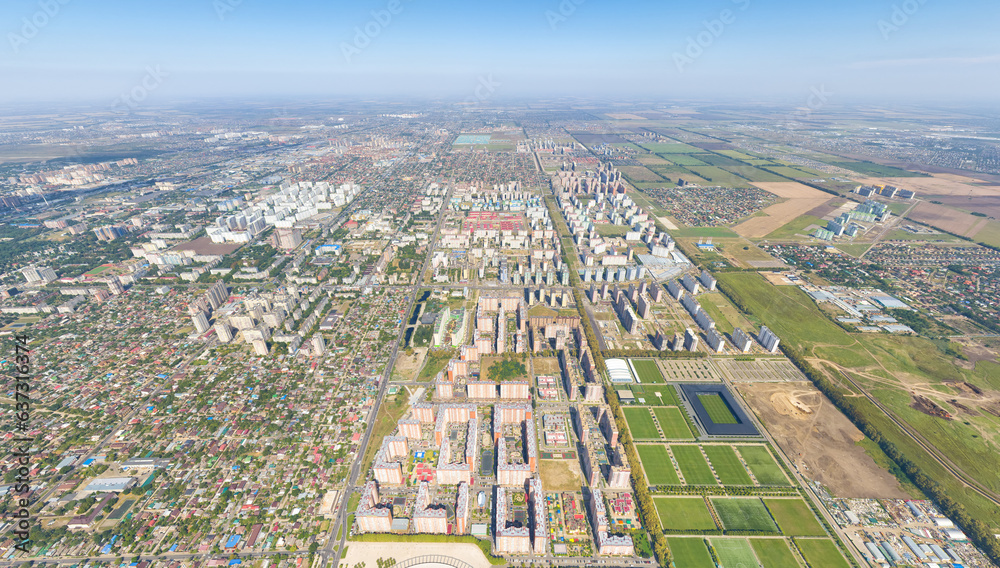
[(330, 554)]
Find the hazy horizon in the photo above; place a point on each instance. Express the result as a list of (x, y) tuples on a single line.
[(910, 51)]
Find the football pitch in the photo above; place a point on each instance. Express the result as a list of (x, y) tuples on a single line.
[(773, 553), (734, 553), (640, 422), (763, 466), (656, 463), (727, 465), (690, 552), (794, 517), (693, 465), (684, 514), (820, 553), (647, 371), (673, 424), (717, 409), (744, 515)]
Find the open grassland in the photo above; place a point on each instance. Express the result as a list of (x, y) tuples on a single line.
[(656, 463), (727, 465), (684, 514)]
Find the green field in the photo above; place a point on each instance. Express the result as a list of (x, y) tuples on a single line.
[(719, 176), (743, 514), (668, 396), (763, 466), (871, 169), (648, 371), (671, 148), (821, 553), (640, 422), (727, 465), (717, 408), (754, 174), (693, 465), (673, 424), (690, 552), (696, 232), (656, 463), (609, 230), (795, 227), (794, 517), (99, 270), (734, 553), (684, 514), (712, 309), (773, 553)]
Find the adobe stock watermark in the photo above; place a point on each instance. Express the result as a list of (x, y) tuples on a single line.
[(698, 43), (563, 11), (223, 7), (900, 16), (817, 98), (363, 35), (485, 87), (31, 26), (128, 102)]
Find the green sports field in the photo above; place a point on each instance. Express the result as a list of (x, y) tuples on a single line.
[(717, 409), (763, 466), (673, 424), (657, 465), (773, 553), (690, 552), (821, 553), (693, 465), (739, 514), (727, 465), (734, 553), (684, 514), (647, 370), (794, 517), (640, 422)]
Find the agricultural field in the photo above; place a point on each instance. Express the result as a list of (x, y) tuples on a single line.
[(684, 514), (773, 553), (656, 463), (673, 423), (743, 514), (690, 552), (640, 423), (821, 553), (727, 465), (647, 371), (717, 409), (670, 148), (794, 228), (794, 517), (762, 465), (734, 553), (693, 465)]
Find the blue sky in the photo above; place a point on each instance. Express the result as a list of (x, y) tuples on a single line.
[(93, 49)]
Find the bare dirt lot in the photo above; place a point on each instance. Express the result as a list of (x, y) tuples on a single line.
[(545, 366), (821, 442), (560, 475), (800, 199), (406, 366), (368, 553)]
